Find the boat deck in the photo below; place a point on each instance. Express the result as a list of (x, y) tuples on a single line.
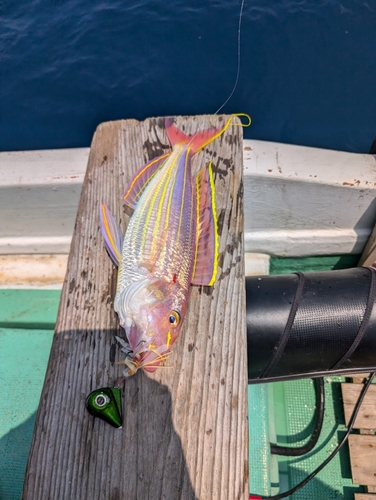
[(280, 411)]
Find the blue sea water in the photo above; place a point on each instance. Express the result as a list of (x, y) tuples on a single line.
[(307, 75)]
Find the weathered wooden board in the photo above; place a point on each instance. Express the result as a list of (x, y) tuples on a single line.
[(185, 428), (359, 378), (363, 459), (364, 496), (368, 256), (366, 418)]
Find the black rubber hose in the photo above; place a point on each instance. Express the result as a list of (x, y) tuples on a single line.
[(307, 325), (290, 451)]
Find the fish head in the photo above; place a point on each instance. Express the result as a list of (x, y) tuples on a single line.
[(152, 317)]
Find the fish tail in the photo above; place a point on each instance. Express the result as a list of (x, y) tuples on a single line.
[(199, 140)]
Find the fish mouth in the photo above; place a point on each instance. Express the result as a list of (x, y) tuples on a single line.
[(151, 359), (148, 360), (140, 351)]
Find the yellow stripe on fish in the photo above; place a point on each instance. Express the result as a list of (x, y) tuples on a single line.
[(215, 220)]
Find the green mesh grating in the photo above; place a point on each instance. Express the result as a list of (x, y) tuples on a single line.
[(259, 449), (283, 265), (294, 406), (35, 309), (23, 360)]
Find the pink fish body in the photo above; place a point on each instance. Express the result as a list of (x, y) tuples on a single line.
[(171, 242)]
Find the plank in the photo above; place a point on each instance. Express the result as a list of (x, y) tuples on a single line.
[(364, 496), (185, 428), (366, 418), (359, 378), (368, 256), (363, 459)]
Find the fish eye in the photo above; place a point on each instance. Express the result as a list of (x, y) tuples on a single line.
[(174, 318)]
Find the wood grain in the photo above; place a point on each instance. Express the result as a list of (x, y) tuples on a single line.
[(368, 256), (358, 378), (366, 418), (185, 428), (362, 458), (364, 496)]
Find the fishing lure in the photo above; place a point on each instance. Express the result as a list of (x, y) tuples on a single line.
[(105, 403)]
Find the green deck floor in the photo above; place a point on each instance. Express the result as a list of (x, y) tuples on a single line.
[(27, 319), (281, 411), (294, 404)]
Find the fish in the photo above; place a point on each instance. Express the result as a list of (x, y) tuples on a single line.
[(170, 244)]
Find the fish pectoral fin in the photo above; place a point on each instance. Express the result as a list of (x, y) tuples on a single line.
[(207, 242), (141, 179), (125, 346), (112, 235)]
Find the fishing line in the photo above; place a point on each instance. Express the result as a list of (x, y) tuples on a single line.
[(238, 69), (236, 78)]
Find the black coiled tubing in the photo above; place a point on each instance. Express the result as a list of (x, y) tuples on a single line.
[(312, 324)]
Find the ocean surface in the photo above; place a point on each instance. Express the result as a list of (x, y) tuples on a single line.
[(307, 75)]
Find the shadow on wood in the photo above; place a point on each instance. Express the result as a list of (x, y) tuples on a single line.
[(91, 451)]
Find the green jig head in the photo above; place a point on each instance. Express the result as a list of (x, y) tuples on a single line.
[(105, 403)]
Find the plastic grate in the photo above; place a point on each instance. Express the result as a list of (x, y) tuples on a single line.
[(259, 432), (294, 405), (23, 360)]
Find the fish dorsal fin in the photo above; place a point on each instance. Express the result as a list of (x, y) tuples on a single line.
[(206, 258), (112, 235), (195, 141), (141, 179)]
